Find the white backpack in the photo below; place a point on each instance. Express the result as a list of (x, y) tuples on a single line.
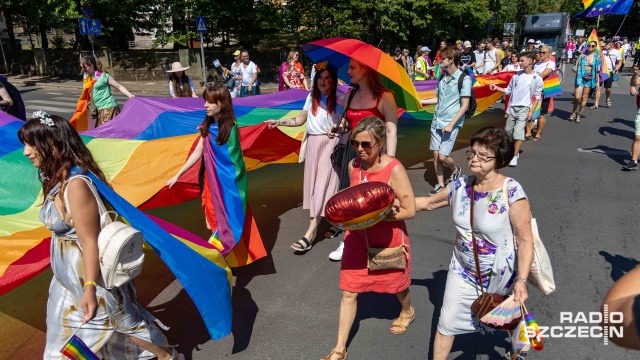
[(119, 245)]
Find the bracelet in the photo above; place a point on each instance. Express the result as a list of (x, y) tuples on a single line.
[(525, 281), (89, 283)]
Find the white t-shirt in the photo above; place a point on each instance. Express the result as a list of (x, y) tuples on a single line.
[(322, 121), (611, 57), (247, 73), (491, 59), (511, 68), (540, 67), (479, 61), (520, 88), (235, 72), (626, 48)]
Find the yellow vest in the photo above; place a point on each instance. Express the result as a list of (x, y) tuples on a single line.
[(423, 65)]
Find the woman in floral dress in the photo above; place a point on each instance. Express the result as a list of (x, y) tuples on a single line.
[(503, 270)]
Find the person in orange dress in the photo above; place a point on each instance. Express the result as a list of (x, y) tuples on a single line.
[(372, 164)]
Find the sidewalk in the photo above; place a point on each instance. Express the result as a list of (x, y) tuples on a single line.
[(135, 87)]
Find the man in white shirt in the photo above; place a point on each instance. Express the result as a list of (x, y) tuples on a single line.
[(612, 56), (479, 58), (524, 86), (545, 68), (249, 76)]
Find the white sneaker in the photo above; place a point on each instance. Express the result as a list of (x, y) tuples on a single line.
[(337, 255), (514, 161)]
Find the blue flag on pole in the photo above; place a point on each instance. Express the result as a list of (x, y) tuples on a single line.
[(595, 8)]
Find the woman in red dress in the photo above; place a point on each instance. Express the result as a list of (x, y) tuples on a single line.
[(372, 164)]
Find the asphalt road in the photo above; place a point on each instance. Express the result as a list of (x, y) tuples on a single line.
[(286, 305)]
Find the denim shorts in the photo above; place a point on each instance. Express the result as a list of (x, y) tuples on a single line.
[(443, 142)]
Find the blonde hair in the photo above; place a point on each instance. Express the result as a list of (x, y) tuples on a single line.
[(374, 126)]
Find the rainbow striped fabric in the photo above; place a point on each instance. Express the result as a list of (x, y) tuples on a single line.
[(76, 349), (225, 200), (552, 86), (604, 69)]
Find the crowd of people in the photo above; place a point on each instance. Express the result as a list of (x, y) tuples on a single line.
[(367, 129)]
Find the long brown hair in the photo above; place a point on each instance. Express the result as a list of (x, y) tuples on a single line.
[(317, 95), (218, 93), (374, 81), (180, 85), (60, 148), (91, 60)]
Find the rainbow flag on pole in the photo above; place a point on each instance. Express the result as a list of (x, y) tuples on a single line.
[(76, 349)]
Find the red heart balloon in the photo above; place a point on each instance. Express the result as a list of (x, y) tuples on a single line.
[(359, 206)]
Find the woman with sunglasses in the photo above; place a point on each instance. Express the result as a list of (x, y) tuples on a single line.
[(497, 217), (587, 70), (371, 98), (372, 164), (321, 177)]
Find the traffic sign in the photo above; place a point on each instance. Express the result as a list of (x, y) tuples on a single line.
[(87, 11), (201, 24), (89, 27)]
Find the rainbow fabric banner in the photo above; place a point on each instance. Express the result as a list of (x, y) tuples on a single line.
[(80, 119), (201, 270), (76, 349)]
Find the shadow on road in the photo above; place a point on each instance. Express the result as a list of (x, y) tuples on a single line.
[(616, 155), (629, 123), (471, 345), (608, 130), (620, 265)]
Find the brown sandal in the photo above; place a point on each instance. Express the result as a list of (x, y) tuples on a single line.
[(397, 323), (342, 355), (572, 117)]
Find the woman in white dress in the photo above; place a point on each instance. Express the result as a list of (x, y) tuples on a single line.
[(114, 323)]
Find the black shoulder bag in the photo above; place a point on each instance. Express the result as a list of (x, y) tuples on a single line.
[(338, 151)]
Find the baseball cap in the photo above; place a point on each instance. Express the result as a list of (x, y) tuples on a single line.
[(236, 53), (467, 44), (425, 48), (398, 49), (531, 41), (538, 42)]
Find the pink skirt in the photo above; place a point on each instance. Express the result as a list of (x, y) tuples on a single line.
[(321, 179)]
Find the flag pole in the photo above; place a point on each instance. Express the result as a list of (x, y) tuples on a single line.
[(598, 24), (625, 18)]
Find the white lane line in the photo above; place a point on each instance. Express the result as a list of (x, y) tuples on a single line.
[(606, 152), (54, 93), (50, 108)]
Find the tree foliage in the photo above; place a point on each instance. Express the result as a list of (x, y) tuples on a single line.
[(249, 22)]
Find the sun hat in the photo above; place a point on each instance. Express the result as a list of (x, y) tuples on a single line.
[(177, 66), (236, 53), (467, 44)]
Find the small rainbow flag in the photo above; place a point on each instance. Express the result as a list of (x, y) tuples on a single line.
[(76, 349), (225, 73), (536, 112), (552, 86)]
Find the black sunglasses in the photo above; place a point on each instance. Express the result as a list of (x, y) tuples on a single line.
[(364, 144)]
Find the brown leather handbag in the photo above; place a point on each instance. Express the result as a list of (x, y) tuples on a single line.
[(387, 258), (486, 302)]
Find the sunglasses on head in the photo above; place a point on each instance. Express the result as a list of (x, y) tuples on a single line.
[(364, 144)]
